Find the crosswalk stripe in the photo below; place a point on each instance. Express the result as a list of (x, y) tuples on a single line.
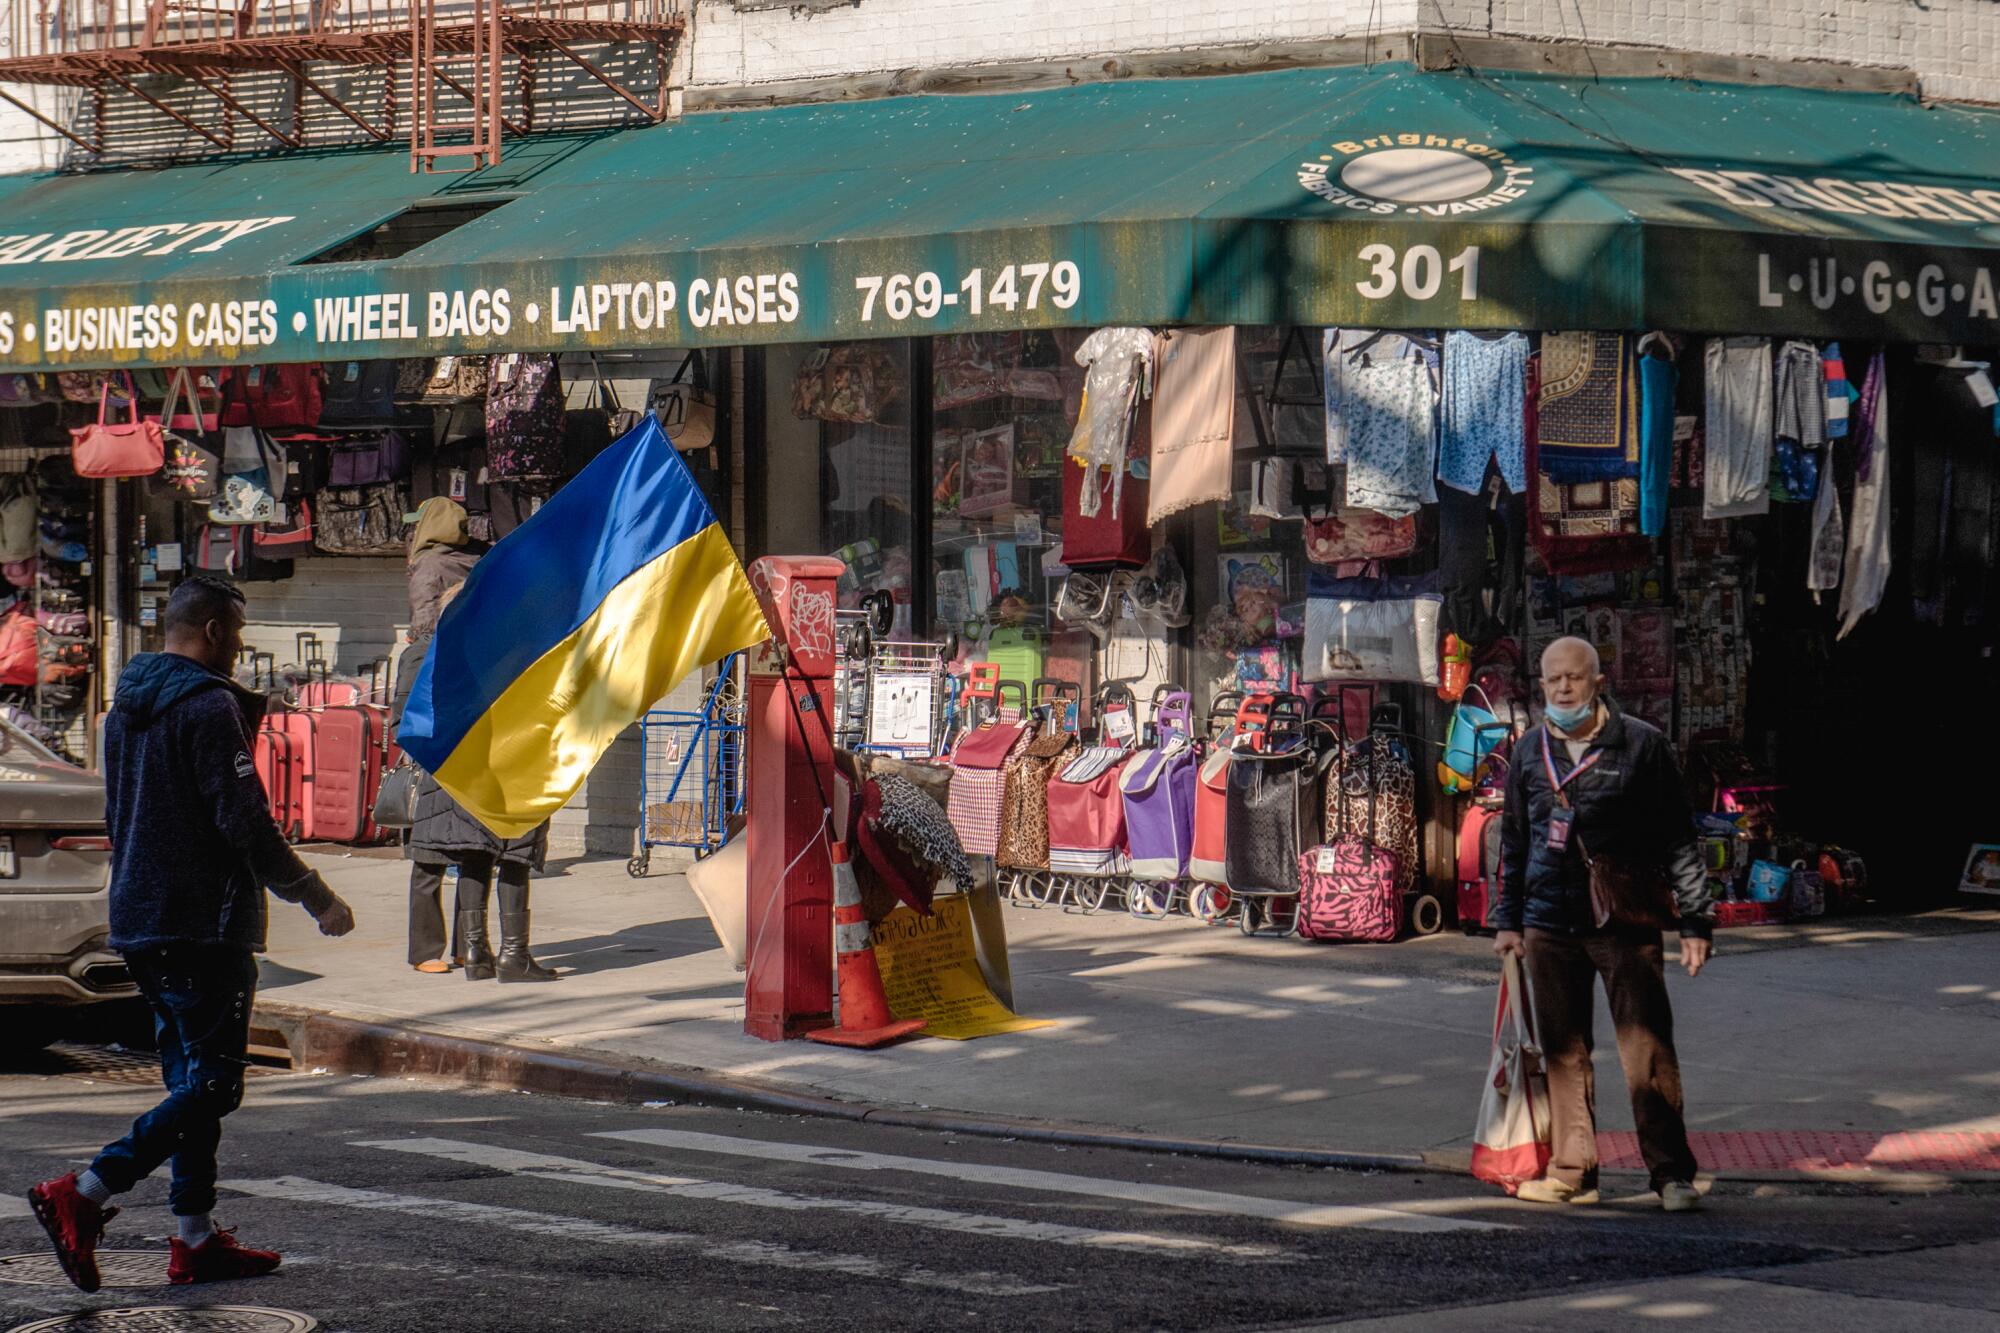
[(1055, 1182), (297, 1189), (573, 1170), (12, 1207)]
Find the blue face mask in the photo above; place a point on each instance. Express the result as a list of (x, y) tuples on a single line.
[(1570, 718)]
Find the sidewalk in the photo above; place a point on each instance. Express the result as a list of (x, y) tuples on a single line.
[(1869, 1025)]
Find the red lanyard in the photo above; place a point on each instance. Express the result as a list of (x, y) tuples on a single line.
[(1556, 784)]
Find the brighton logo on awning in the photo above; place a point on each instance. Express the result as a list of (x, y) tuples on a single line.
[(1432, 175)]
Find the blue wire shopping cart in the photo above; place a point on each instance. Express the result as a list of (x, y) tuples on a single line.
[(692, 777)]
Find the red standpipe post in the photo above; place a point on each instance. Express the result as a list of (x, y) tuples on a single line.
[(789, 730)]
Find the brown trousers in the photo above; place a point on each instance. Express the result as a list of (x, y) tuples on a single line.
[(1563, 970)]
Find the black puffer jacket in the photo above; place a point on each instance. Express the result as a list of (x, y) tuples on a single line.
[(443, 831), (1629, 804)]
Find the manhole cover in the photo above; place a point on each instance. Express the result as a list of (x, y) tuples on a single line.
[(103, 1064), (176, 1319), (118, 1268)]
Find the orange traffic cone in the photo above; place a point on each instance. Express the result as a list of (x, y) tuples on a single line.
[(865, 1020)]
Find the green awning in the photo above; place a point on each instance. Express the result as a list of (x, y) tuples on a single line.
[(1382, 196)]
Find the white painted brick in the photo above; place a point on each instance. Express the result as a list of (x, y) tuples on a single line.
[(1951, 44)]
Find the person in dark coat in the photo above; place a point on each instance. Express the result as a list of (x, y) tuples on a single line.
[(442, 554), (442, 835)]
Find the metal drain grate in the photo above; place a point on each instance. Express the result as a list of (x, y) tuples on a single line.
[(176, 1319), (106, 1064), (118, 1268)]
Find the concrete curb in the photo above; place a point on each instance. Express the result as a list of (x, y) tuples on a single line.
[(345, 1045)]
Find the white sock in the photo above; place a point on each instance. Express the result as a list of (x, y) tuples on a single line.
[(93, 1189), (195, 1229)]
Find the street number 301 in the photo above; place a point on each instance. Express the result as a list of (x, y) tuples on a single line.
[(1420, 273)]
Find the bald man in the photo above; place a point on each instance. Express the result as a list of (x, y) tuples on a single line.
[(1592, 782)]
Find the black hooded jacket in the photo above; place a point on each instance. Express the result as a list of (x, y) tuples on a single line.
[(193, 844)]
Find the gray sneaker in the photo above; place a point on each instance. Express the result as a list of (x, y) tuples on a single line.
[(1553, 1191), (1677, 1196)]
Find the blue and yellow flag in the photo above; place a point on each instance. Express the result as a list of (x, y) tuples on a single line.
[(571, 628)]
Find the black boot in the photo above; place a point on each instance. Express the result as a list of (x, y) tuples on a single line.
[(478, 954), (515, 963)]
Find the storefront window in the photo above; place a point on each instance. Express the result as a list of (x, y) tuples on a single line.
[(1003, 409), (839, 478)]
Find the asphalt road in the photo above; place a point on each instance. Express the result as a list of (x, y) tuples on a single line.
[(412, 1206)]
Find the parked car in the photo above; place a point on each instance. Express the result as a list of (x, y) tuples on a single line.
[(55, 964)]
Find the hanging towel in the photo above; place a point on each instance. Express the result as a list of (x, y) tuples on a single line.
[(1118, 362), (1867, 570), (1658, 378), (1829, 537), (1589, 417), (1737, 467), (1835, 371), (1193, 418), (1483, 383)]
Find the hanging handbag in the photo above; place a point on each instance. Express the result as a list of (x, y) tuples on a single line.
[(455, 379), (374, 460), (290, 531), (364, 520), (183, 410), (413, 376), (359, 393), (86, 386), (1116, 536), (192, 470), (132, 448), (275, 397), (524, 419), (244, 497), (220, 549), (1366, 629)]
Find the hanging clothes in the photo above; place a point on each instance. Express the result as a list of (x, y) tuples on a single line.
[(1737, 466), (1118, 363), (1589, 415), (1193, 419), (1834, 373), (1481, 545), (1867, 571), (1483, 383), (1801, 421), (1659, 377), (1382, 420)]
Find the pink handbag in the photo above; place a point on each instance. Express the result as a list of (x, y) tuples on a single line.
[(134, 448)]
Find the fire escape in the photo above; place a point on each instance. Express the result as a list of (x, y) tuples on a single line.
[(456, 77)]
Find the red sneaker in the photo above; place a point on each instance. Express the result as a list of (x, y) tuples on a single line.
[(74, 1224), (217, 1259)]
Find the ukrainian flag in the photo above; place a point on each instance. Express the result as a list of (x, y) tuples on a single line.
[(571, 628)]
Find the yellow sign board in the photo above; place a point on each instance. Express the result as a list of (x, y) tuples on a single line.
[(929, 972)]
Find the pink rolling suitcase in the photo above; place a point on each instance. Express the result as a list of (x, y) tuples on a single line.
[(351, 753)]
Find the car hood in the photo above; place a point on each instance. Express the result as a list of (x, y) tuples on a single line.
[(35, 793)]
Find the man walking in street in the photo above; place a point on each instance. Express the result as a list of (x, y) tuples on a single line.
[(193, 849), (1590, 782)]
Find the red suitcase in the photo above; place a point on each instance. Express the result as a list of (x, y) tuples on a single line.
[(351, 751), (1478, 867), (281, 768), (289, 781)]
